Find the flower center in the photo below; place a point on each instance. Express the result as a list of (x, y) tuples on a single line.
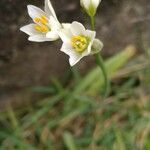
[(79, 43), (41, 24)]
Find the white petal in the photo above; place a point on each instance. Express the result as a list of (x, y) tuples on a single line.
[(29, 29), (39, 38), (66, 25), (34, 11), (91, 35), (54, 24), (87, 51), (65, 35), (52, 35), (49, 9), (67, 48), (85, 3), (96, 3), (74, 57), (77, 28)]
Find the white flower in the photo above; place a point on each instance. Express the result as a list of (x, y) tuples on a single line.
[(78, 42), (45, 24), (90, 6)]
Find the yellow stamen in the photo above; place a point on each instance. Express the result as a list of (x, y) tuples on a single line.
[(41, 25), (37, 28), (41, 28), (37, 20), (44, 28), (42, 19), (79, 43)]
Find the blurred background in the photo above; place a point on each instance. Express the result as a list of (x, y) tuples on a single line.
[(45, 104)]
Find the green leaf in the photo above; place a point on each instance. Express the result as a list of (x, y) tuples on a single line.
[(69, 141)]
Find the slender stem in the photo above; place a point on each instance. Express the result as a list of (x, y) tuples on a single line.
[(100, 63), (92, 23), (76, 73)]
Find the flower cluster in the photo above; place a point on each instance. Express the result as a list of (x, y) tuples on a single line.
[(77, 41)]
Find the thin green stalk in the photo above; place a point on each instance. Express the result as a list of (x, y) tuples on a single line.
[(92, 23), (76, 74), (100, 63)]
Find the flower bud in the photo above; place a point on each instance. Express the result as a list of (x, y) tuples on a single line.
[(90, 6), (97, 46)]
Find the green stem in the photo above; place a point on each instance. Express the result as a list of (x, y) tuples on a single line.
[(100, 63), (92, 23)]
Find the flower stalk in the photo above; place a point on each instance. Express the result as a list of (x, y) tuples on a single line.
[(100, 62)]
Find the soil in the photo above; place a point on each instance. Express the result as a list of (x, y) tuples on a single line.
[(24, 64)]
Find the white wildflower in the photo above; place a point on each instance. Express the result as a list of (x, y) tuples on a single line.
[(45, 24), (78, 42)]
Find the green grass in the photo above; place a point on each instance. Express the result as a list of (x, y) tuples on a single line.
[(78, 118)]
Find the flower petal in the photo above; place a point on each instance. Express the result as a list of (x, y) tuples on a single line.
[(49, 9), (39, 38), (34, 11), (91, 35), (29, 29), (66, 25), (54, 24), (67, 48), (52, 35), (74, 57), (77, 28), (65, 35), (85, 3), (96, 3)]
